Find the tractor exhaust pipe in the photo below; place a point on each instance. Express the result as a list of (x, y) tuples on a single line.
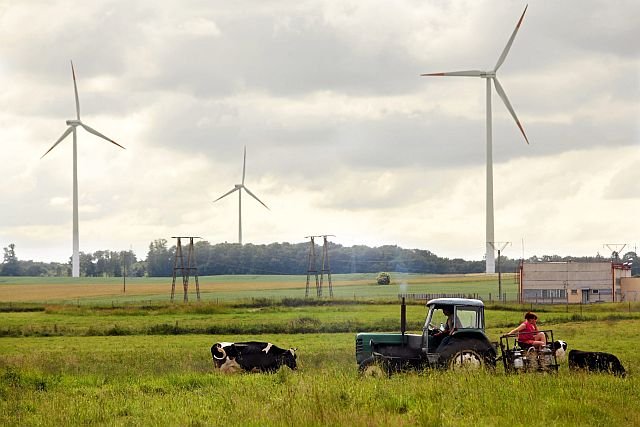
[(403, 319)]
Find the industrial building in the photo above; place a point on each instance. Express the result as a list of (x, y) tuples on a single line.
[(576, 282)]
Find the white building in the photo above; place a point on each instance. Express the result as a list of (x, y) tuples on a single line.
[(571, 282)]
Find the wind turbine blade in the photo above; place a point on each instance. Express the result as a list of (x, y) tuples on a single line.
[(95, 132), (255, 197), (75, 89), (470, 73), (225, 194), (244, 163), (505, 52), (503, 95), (64, 135)]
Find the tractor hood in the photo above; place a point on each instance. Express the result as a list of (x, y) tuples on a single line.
[(365, 340)]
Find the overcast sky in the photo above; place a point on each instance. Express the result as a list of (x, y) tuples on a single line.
[(343, 136)]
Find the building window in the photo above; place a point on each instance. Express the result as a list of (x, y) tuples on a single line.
[(545, 294), (553, 293), (574, 292), (594, 291)]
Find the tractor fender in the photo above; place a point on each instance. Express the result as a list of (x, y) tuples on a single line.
[(478, 335)]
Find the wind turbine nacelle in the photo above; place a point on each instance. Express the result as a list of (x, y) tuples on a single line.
[(74, 122), (238, 185), (488, 74)]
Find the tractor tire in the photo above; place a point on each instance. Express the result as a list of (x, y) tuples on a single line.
[(371, 367), (468, 354)]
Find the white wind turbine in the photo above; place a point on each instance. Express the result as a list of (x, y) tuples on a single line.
[(239, 188), (73, 124), (491, 76)]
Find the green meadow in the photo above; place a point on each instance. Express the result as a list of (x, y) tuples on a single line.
[(150, 364)]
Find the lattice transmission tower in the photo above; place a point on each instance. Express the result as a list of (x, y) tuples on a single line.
[(326, 267), (311, 268), (186, 270)]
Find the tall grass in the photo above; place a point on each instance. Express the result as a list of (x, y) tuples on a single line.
[(170, 380), (329, 396), (152, 366)]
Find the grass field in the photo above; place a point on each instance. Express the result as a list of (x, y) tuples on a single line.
[(224, 288), (89, 363)]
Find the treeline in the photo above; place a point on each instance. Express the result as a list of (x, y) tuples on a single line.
[(275, 258), (98, 264), (287, 258)]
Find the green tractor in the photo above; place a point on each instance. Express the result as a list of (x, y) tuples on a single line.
[(458, 342)]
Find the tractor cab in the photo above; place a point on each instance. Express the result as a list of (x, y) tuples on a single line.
[(448, 317)]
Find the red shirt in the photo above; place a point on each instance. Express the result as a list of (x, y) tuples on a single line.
[(527, 334)]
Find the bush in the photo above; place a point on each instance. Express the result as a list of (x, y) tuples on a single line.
[(383, 278)]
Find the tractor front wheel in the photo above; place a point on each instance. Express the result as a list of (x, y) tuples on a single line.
[(371, 367)]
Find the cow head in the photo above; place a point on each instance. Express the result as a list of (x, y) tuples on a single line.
[(220, 352), (559, 347), (289, 358)]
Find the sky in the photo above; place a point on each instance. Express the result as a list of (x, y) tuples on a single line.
[(343, 136)]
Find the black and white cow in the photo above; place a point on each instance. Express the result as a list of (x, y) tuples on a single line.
[(251, 356), (595, 361)]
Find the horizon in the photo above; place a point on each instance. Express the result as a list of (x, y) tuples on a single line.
[(171, 246)]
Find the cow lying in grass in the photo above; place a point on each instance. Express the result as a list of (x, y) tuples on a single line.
[(251, 357), (595, 361)]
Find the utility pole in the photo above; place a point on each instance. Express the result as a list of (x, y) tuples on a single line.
[(124, 272), (615, 249), (499, 246)]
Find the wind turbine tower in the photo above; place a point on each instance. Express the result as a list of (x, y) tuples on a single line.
[(73, 124), (239, 188), (490, 76)]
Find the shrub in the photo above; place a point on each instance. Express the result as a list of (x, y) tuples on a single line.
[(383, 278)]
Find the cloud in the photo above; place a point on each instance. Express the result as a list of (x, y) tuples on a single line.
[(343, 136)]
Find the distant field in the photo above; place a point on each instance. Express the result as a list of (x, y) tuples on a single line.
[(212, 288)]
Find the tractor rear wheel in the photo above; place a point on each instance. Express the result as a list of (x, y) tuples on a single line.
[(468, 354)]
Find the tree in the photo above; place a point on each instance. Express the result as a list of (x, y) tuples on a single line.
[(384, 278), (10, 266), (128, 259), (631, 258), (87, 267), (159, 259)]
